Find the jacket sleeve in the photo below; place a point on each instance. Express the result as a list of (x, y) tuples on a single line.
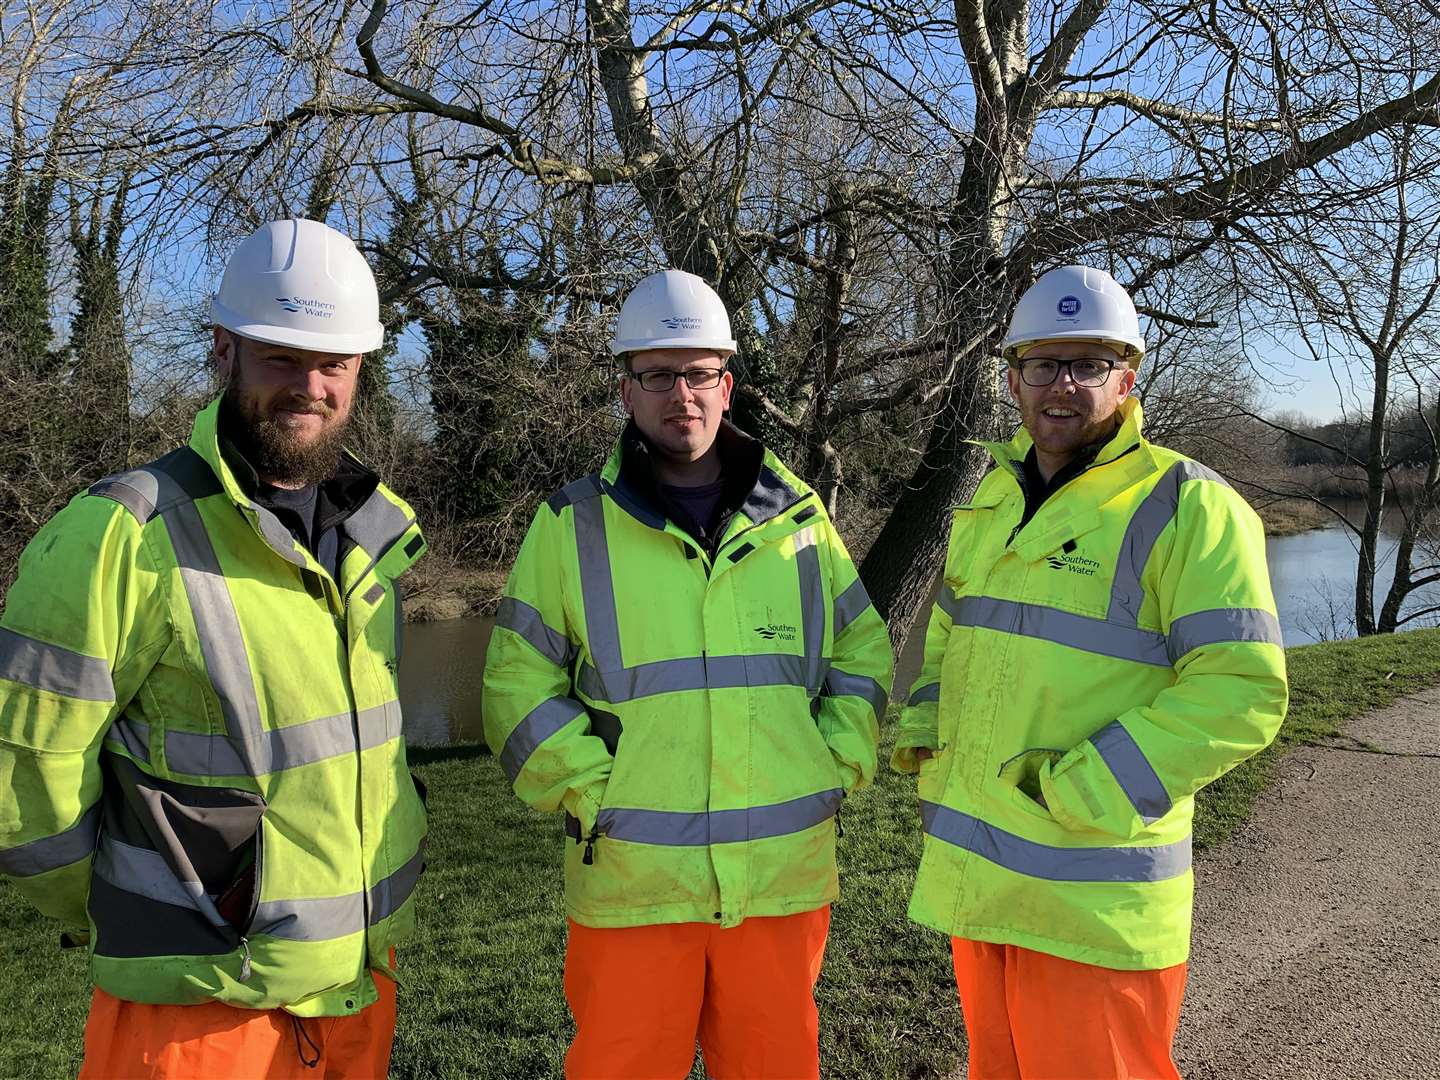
[(533, 723), (862, 667), (920, 719), (73, 651), (1212, 595)]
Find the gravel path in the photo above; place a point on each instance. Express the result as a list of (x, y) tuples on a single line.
[(1317, 925)]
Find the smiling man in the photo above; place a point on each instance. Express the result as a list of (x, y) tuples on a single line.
[(199, 731), (1103, 646), (685, 661)]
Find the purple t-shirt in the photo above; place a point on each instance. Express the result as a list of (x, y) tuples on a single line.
[(694, 509)]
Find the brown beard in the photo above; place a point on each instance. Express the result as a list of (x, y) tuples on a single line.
[(273, 451)]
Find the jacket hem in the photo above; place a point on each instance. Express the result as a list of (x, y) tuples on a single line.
[(1153, 960), (690, 912)]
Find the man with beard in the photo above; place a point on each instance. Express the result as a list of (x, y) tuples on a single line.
[(199, 732), (1104, 645), (685, 661)]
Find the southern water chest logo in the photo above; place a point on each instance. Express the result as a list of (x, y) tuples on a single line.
[(316, 309), (1074, 562), (775, 631)]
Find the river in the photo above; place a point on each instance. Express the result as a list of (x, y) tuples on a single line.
[(1312, 574)]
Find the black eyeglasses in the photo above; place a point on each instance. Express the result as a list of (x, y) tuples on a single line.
[(660, 380), (1042, 371)]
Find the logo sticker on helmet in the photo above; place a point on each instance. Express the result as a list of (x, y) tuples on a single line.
[(1068, 307), (681, 322), (317, 309)]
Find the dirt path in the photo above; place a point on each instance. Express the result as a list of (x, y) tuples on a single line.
[(1317, 926)]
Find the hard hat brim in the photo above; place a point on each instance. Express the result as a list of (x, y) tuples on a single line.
[(1130, 350), (345, 344), (619, 347)]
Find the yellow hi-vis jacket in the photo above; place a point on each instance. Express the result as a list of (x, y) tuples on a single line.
[(700, 721), (200, 740), (1113, 656)]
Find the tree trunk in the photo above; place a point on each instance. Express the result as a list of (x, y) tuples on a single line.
[(901, 564)]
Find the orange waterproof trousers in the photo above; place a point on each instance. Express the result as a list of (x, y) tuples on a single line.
[(642, 995), (1032, 1016), (127, 1040)]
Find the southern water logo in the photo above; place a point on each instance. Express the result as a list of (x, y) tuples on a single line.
[(1068, 307), (316, 309), (1076, 564), (681, 322), (776, 631)]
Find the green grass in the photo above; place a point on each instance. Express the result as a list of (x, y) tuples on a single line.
[(482, 994)]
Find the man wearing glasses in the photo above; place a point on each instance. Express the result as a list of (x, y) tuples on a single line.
[(1104, 645), (685, 661)]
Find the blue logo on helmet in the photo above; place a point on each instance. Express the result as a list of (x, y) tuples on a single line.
[(1068, 307), (681, 322), (284, 301)]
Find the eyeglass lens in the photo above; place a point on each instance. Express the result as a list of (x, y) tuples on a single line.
[(1044, 371)]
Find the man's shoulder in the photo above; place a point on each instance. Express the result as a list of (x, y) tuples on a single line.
[(181, 476), (586, 487)]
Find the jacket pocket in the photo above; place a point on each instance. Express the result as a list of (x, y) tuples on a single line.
[(180, 866)]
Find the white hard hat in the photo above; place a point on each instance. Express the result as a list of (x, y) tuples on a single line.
[(1076, 303), (300, 283), (672, 310)]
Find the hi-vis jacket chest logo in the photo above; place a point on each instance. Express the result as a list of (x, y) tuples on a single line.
[(1069, 559), (773, 631)]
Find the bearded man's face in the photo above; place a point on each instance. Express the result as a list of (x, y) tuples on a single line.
[(287, 409)]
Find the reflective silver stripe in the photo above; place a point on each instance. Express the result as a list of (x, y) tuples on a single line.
[(283, 748), (1155, 512), (145, 873), (130, 491), (180, 476), (377, 524), (320, 919), (519, 617), (842, 684), (1223, 624), (679, 829), (539, 724), (277, 536), (929, 692), (375, 527), (1062, 628), (812, 608), (387, 896), (218, 627), (1133, 771), (692, 673), (330, 917), (1122, 864), (129, 736), (53, 668), (48, 853), (850, 605), (597, 589), (948, 602)]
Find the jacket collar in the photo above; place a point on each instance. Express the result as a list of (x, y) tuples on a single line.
[(755, 483), (1126, 438)]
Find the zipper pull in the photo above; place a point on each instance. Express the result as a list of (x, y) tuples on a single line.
[(589, 857), (245, 960)]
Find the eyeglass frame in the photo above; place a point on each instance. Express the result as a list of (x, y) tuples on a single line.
[(1068, 366), (639, 377)]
